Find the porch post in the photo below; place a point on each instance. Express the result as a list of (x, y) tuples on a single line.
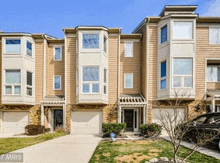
[(213, 105), (144, 114), (119, 114), (64, 116), (42, 115)]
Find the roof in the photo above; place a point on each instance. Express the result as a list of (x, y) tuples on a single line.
[(112, 30), (191, 8), (131, 99)]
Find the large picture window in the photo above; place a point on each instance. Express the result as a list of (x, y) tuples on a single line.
[(163, 34), (13, 46), (12, 82), (182, 30), (90, 41), (182, 72), (90, 80), (163, 74)]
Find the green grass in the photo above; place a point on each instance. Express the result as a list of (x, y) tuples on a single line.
[(12, 144), (113, 152)]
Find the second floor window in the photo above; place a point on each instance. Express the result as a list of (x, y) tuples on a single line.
[(105, 44), (12, 82), (128, 80), (182, 30), (182, 72), (13, 46), (128, 46), (57, 53), (29, 48), (29, 83), (90, 41), (214, 35), (163, 34), (90, 80), (213, 73), (163, 73), (57, 82)]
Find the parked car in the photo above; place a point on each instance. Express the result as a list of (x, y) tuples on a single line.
[(203, 128)]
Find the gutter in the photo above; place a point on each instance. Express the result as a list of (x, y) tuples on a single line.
[(44, 72), (119, 44)]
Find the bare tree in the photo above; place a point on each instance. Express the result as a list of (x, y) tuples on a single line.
[(177, 126)]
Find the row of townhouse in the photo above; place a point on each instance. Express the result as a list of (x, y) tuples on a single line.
[(97, 74)]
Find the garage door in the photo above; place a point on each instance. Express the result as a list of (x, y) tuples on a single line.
[(158, 112), (14, 122), (89, 122)]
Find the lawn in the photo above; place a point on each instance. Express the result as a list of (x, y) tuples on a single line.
[(12, 144), (141, 151)]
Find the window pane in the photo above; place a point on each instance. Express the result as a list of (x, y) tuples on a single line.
[(188, 82), (13, 46), (57, 54), (163, 69), (176, 81), (218, 73), (29, 48), (105, 75), (8, 90), (214, 74), (128, 49), (128, 81), (95, 88), (90, 41), (85, 88), (164, 34), (182, 30), (105, 44), (105, 91), (90, 73), (17, 90), (29, 91), (57, 82), (163, 84), (182, 66), (213, 35), (209, 74), (13, 77), (29, 78)]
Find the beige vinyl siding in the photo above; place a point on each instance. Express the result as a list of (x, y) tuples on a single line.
[(71, 70), (113, 69), (55, 68), (152, 63), (130, 65), (203, 50), (39, 59)]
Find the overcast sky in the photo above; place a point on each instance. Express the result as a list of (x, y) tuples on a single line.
[(47, 16)]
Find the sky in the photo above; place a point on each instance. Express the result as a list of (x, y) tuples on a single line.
[(50, 16)]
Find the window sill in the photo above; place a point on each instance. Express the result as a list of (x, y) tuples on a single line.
[(13, 95)]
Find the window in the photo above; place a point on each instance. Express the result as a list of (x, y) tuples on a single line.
[(90, 80), (105, 81), (128, 49), (29, 83), (57, 82), (182, 72), (29, 48), (57, 53), (163, 33), (13, 46), (213, 73), (128, 80), (105, 44), (182, 30), (12, 82), (214, 35), (163, 73), (90, 41)]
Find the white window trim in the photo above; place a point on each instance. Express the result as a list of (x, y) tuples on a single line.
[(183, 39), (26, 48), (165, 77), (211, 81), (12, 85), (167, 34), (12, 38), (61, 52), (182, 76), (90, 82), (210, 35), (131, 80), (91, 49), (29, 86), (132, 49), (54, 82)]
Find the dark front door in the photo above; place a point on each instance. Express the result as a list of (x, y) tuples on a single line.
[(128, 115), (58, 118)]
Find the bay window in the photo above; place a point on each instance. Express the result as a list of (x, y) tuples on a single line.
[(90, 80), (13, 46), (128, 80), (182, 30), (90, 41), (213, 73), (57, 82), (163, 73), (182, 72), (12, 82)]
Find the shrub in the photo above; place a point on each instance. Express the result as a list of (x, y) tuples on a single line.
[(60, 129), (34, 129), (108, 128), (150, 130)]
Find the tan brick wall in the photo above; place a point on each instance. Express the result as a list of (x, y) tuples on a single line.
[(71, 70), (213, 85), (130, 65), (39, 58), (113, 69), (55, 68)]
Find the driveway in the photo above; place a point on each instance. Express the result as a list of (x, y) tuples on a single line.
[(70, 148)]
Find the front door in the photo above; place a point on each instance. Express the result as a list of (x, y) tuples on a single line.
[(58, 118), (128, 119)]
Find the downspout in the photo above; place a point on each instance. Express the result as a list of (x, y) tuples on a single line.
[(119, 107), (45, 69), (147, 59)]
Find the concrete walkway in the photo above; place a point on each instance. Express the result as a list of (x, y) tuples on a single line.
[(67, 149)]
